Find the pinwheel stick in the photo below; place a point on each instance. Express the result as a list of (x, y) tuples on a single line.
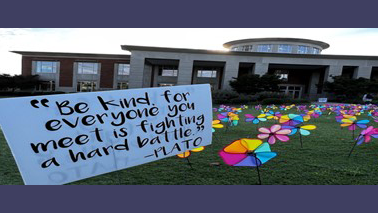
[(350, 153), (300, 138), (190, 164), (257, 167)]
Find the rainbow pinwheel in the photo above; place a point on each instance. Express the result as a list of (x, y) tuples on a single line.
[(274, 133), (253, 119), (302, 129), (274, 115), (365, 136), (291, 119), (247, 152), (187, 153), (352, 123), (216, 124)]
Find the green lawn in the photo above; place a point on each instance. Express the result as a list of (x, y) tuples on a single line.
[(323, 160)]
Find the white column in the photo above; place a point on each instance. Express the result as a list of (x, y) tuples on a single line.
[(230, 72), (260, 68), (137, 61), (333, 70), (185, 70), (363, 72)]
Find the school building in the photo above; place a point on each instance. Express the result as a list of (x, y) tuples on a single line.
[(298, 62)]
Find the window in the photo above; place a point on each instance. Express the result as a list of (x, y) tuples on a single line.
[(303, 49), (165, 85), (87, 68), (284, 48), (46, 66), (123, 69), (247, 48), (315, 50), (282, 74), (48, 86), (123, 85), (264, 48), (207, 74), (168, 71), (86, 86)]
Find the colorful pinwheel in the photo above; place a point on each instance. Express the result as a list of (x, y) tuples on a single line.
[(187, 153), (216, 124), (247, 152), (365, 136), (291, 119), (253, 119), (274, 133), (302, 129), (352, 123)]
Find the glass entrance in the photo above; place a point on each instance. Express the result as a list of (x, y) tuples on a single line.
[(293, 91)]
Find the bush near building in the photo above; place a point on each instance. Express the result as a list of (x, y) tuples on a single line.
[(350, 90), (251, 84)]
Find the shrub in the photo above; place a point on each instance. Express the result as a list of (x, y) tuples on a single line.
[(251, 84)]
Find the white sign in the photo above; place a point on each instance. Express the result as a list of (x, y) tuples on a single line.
[(58, 139), (322, 100)]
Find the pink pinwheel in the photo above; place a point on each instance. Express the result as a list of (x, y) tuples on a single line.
[(275, 132), (366, 135)]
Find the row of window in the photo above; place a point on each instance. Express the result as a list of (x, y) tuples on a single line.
[(282, 48), (82, 67), (88, 68)]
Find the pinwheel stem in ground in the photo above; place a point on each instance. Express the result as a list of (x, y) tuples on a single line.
[(190, 164), (300, 138), (350, 153)]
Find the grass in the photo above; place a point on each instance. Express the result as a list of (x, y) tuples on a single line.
[(322, 161)]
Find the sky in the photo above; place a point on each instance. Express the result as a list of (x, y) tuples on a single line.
[(349, 41)]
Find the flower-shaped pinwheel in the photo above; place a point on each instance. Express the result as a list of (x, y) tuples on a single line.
[(216, 124), (253, 119), (188, 152), (352, 123), (367, 134), (229, 117), (274, 115), (291, 119), (303, 130), (274, 133), (247, 152)]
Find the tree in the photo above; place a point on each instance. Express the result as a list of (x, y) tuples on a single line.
[(351, 88), (18, 82), (251, 84)]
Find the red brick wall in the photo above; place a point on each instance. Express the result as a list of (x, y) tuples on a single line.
[(26, 67), (66, 72), (67, 66), (107, 72)]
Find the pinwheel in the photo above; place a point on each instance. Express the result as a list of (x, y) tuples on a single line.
[(187, 153), (352, 123), (247, 152), (276, 116), (274, 133), (216, 124), (303, 130), (230, 118), (253, 119), (291, 119), (365, 136)]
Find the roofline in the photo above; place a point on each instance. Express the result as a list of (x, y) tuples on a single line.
[(73, 55), (262, 54), (323, 45)]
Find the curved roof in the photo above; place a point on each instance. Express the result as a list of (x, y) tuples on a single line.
[(297, 40)]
